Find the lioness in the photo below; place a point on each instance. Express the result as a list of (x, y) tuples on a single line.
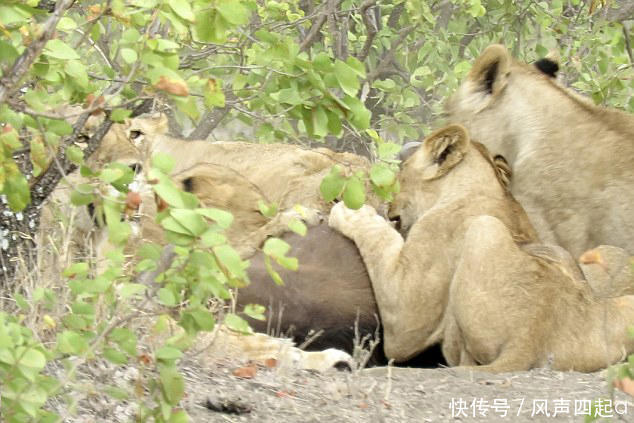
[(572, 161), (284, 174), (447, 183), (470, 275), (511, 308)]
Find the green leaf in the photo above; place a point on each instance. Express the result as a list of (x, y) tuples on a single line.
[(322, 63), (172, 384), (166, 297), (233, 11), (290, 263), (276, 247), (179, 416), (230, 259), (109, 175), (267, 210), (388, 150), (125, 339), (204, 319), (237, 323), (129, 55), (69, 342), (75, 154), (168, 353), (182, 9), (381, 175), (30, 358), (60, 50), (38, 155), (255, 311), (163, 162), (223, 218), (347, 78), (214, 96), (357, 66), (77, 71), (354, 193), (16, 188), (128, 290), (320, 122), (297, 226), (115, 356), (190, 220), (78, 198), (359, 116), (120, 115), (332, 184)]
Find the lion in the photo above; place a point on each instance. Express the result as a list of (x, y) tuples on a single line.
[(239, 177), (284, 174), (572, 160), (445, 185), (470, 274), (539, 310)]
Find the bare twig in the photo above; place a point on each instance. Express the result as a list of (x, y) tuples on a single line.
[(21, 66), (371, 27), (628, 45), (388, 56), (624, 12), (395, 15), (211, 119), (334, 33), (331, 7)]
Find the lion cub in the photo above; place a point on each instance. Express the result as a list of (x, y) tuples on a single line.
[(470, 275)]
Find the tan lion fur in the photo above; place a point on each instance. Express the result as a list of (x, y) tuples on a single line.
[(571, 160), (470, 275), (235, 176), (446, 184)]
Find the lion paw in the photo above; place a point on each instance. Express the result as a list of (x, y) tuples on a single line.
[(342, 218), (310, 216)]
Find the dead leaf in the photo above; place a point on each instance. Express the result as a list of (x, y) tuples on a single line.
[(246, 372), (270, 363), (177, 88), (160, 203), (626, 385), (132, 202), (592, 257), (283, 394)]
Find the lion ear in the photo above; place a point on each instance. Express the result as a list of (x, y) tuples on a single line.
[(549, 65), (444, 149), (489, 72)]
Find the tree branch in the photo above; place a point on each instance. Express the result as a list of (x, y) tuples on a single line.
[(318, 24), (211, 119), (623, 13), (371, 27), (21, 66), (388, 56)]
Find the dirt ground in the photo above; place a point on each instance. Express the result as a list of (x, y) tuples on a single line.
[(399, 395)]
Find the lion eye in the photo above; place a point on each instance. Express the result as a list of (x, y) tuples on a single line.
[(134, 134), (136, 168)]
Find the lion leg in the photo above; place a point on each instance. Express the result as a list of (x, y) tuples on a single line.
[(399, 287)]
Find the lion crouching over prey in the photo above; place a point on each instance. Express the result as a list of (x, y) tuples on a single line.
[(470, 275)]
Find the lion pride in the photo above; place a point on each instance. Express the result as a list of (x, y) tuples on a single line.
[(573, 162)]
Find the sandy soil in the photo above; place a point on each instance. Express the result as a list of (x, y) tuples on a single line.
[(398, 395)]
